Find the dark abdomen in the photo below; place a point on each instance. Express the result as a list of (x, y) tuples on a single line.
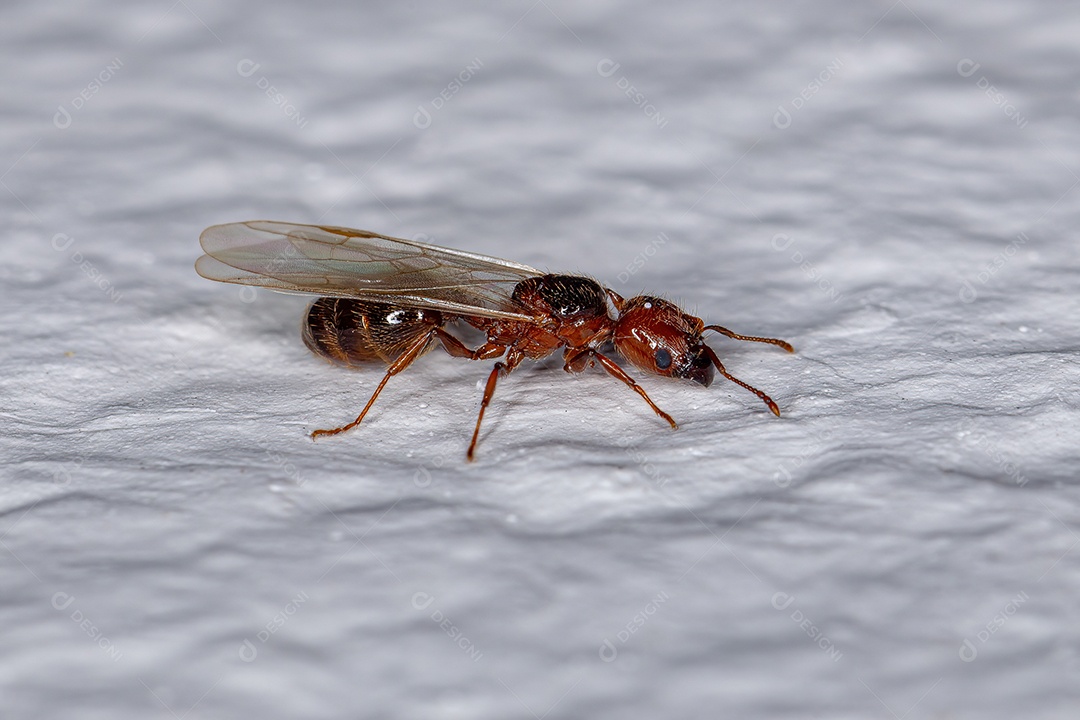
[(354, 332)]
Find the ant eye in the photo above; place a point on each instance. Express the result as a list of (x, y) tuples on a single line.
[(663, 359)]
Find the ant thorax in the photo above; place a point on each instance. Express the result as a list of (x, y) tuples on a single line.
[(574, 311)]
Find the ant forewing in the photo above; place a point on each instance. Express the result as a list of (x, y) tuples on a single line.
[(389, 300)]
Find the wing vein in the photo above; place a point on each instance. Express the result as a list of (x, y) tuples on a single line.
[(342, 262)]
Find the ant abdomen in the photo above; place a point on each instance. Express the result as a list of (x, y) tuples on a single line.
[(356, 332)]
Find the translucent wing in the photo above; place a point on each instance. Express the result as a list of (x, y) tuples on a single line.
[(342, 262)]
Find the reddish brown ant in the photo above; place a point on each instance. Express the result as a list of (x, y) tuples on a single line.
[(387, 299)]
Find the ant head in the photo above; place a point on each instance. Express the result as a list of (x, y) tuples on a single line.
[(658, 337)]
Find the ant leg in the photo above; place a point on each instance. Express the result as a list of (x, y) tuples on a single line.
[(575, 362), (414, 351), (513, 358), (723, 371), (456, 348), (489, 390), (750, 338), (617, 372)]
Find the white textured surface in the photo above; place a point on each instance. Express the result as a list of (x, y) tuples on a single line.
[(157, 473)]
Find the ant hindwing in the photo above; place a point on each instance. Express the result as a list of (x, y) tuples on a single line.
[(388, 300)]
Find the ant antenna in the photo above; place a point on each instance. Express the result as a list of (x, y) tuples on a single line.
[(750, 338), (723, 371)]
